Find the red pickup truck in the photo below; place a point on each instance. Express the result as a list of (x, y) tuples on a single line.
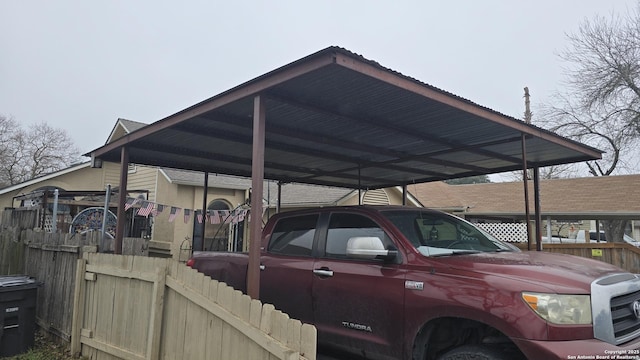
[(410, 283)]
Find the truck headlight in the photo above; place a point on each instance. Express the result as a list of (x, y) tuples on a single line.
[(560, 309)]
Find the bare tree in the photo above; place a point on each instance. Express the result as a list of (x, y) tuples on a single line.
[(601, 106), (28, 153), (547, 172)]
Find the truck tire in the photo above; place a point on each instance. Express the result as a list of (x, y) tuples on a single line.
[(474, 352)]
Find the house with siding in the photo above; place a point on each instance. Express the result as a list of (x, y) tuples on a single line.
[(566, 204), (170, 190)]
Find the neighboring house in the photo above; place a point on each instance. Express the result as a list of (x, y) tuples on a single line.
[(576, 202), (181, 191)]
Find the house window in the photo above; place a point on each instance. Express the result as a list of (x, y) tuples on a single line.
[(217, 235), (219, 205)]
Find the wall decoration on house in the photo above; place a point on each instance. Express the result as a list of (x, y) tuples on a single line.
[(90, 219)]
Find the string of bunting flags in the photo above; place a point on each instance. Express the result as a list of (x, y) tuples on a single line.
[(149, 208)]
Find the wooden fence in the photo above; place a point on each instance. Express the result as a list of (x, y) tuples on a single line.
[(131, 307), (19, 218), (622, 255), (11, 252), (51, 259)]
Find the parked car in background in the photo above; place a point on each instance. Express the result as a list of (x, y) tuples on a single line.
[(593, 237)]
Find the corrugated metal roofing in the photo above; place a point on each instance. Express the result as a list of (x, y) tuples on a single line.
[(335, 118)]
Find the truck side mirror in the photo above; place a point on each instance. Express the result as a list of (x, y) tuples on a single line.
[(368, 248)]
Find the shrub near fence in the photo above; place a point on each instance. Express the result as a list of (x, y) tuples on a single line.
[(149, 308)]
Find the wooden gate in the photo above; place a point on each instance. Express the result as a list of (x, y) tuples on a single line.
[(131, 307)]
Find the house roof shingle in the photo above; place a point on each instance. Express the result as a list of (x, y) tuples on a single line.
[(590, 197)]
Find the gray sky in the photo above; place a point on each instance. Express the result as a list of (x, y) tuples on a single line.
[(80, 65)]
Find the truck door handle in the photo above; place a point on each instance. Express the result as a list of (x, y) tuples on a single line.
[(262, 267), (323, 272)]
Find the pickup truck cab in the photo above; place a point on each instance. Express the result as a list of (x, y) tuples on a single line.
[(411, 283)]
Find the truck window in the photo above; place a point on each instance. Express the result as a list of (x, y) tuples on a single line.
[(343, 226), (294, 236), (438, 234)]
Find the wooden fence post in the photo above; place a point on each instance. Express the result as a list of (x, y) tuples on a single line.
[(157, 313), (78, 307)]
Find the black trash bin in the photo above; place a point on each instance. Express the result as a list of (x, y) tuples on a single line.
[(18, 295)]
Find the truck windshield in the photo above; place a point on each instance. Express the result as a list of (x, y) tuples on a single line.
[(440, 234)]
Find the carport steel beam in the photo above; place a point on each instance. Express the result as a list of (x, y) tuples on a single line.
[(332, 60), (257, 181)]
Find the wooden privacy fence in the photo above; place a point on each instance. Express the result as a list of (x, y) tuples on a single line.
[(131, 307), (11, 252), (51, 259), (52, 262), (620, 254)]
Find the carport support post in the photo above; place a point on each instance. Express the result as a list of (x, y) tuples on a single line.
[(257, 183), (404, 194), (122, 190), (279, 202), (526, 191), (204, 208), (536, 199)]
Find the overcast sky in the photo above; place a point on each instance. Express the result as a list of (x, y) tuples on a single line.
[(81, 65)]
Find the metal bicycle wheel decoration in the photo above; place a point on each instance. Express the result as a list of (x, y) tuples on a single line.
[(90, 219)]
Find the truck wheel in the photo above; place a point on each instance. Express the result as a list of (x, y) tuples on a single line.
[(474, 352)]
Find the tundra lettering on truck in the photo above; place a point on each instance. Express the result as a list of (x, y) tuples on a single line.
[(361, 327), (416, 284)]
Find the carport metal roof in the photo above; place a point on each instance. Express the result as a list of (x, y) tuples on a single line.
[(335, 118)]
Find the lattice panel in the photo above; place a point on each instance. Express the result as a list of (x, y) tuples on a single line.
[(512, 232), (48, 222)]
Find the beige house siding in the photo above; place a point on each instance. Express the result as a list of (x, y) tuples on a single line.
[(181, 196), (118, 132), (185, 197), (111, 173), (163, 230), (82, 179), (144, 178)]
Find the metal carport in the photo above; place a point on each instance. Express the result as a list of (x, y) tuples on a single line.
[(335, 118)]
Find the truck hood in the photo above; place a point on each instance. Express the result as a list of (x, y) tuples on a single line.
[(559, 272)]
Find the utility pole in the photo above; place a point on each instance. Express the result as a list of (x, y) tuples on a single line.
[(527, 106)]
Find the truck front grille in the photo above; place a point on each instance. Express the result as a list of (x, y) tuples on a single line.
[(625, 314), (615, 306)]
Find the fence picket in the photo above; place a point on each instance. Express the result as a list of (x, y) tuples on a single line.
[(119, 307), (308, 341)]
